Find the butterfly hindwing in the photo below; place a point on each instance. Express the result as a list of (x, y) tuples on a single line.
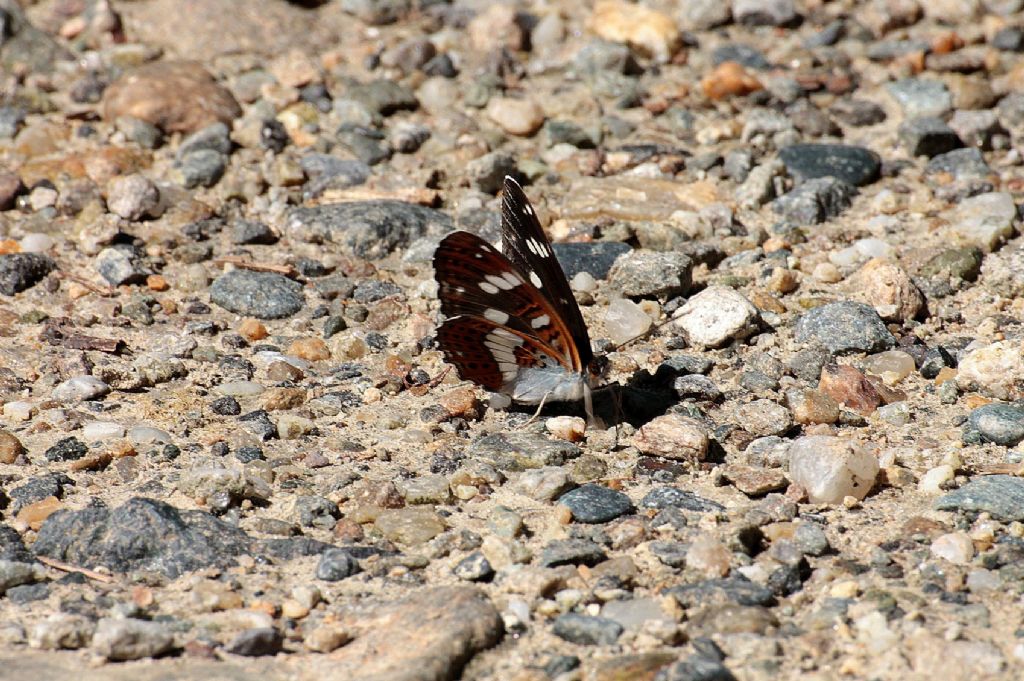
[(478, 281), (487, 353), (524, 243)]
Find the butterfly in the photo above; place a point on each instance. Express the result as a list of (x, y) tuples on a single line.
[(512, 324)]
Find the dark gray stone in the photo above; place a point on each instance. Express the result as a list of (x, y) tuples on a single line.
[(367, 229), (571, 552), (592, 503), (384, 97), (843, 327), (857, 112), (336, 565), (487, 173), (671, 553), (20, 271), (214, 137), (1002, 424), (67, 449), (256, 642), (142, 534), (264, 295), (697, 387), (1009, 39), (202, 168), (587, 630), (595, 258), (520, 451), (259, 424), (742, 54), (921, 97), (815, 201), (11, 546), (927, 136), (855, 165), (722, 591), (960, 163), (474, 568), (316, 511), (1000, 495), (696, 668), (666, 497), (36, 489), (366, 143), (372, 290), (329, 172)]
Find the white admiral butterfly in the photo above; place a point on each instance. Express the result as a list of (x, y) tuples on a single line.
[(513, 326)]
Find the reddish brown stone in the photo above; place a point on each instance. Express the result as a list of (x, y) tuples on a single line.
[(849, 387)]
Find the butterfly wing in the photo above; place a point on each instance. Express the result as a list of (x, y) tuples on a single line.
[(524, 243), (477, 281)]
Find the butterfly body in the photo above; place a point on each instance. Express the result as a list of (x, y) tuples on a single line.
[(512, 323)]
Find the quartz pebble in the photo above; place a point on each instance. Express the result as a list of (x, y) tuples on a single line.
[(674, 437), (831, 468), (717, 315)]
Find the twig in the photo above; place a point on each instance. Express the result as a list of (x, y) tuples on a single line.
[(237, 261), (60, 565), (105, 291)]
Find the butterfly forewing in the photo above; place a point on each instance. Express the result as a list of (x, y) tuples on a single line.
[(524, 243)]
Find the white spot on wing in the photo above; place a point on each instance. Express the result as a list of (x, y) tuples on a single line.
[(540, 322), (535, 280), (488, 287), (506, 281), (532, 245), (496, 316)]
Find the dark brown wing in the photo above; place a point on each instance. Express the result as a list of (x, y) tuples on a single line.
[(524, 243), (476, 280), (487, 353)]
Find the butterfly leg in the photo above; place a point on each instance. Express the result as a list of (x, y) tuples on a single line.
[(536, 414)]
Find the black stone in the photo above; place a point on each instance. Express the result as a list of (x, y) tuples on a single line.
[(592, 503), (474, 568), (855, 165), (927, 136), (722, 591), (226, 406), (49, 485), (815, 201), (1002, 424), (259, 424), (68, 449), (142, 534), (11, 546), (741, 54), (20, 271), (1000, 495), (246, 232)]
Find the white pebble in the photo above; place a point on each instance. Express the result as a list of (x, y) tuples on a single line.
[(956, 547), (625, 320), (20, 411), (831, 468), (36, 243), (717, 315), (80, 388), (146, 435), (932, 481), (97, 431)]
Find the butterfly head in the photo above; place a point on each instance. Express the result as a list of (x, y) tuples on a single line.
[(597, 368)]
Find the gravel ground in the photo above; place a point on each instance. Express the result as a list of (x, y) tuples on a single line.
[(230, 447)]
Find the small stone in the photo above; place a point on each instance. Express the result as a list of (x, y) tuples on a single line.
[(544, 484), (857, 166), (764, 417), (935, 479), (586, 629), (425, 489), (570, 428), (256, 642), (595, 503), (61, 632), (765, 12), (844, 327), (976, 128), (812, 406), (995, 370), (729, 79), (474, 568), (495, 27), (919, 97), (133, 197), (986, 219), (265, 295), (831, 468), (1002, 424), (625, 320), (487, 173), (572, 552), (310, 349), (717, 315), (326, 638), (849, 387), (412, 526), (927, 136), (672, 497), (80, 388), (335, 565), (519, 117), (1000, 495), (857, 112), (892, 366), (888, 288), (674, 436), (21, 271), (646, 30), (956, 547), (130, 639), (10, 447), (815, 201), (709, 556), (644, 274)]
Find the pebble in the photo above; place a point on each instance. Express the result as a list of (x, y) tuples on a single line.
[(587, 630), (986, 219), (61, 631), (1002, 496), (572, 552), (256, 642), (921, 97), (520, 117), (1002, 424), (857, 166), (717, 315), (995, 370), (956, 547), (625, 320), (844, 327), (80, 388), (595, 503), (130, 639), (815, 201), (595, 259), (133, 197), (411, 526), (764, 417), (674, 436), (889, 289), (927, 136), (543, 484), (264, 295), (646, 30), (642, 274), (21, 271), (831, 468)]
